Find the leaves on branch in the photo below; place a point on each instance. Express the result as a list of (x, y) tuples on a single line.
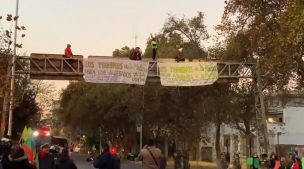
[(8, 34), (15, 18), (9, 17), (19, 45)]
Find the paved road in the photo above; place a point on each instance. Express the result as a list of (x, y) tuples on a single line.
[(80, 160)]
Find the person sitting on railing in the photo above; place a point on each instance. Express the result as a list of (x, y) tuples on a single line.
[(180, 57), (136, 54), (68, 52)]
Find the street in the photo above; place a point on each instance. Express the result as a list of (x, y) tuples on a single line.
[(80, 160)]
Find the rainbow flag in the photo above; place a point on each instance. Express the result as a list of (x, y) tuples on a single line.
[(29, 145)]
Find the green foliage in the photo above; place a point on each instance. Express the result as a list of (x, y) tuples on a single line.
[(167, 45), (193, 30), (273, 31), (124, 52), (24, 112)]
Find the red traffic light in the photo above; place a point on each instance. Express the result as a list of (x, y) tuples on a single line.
[(113, 150), (45, 131)]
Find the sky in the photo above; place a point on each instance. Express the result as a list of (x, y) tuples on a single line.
[(97, 27)]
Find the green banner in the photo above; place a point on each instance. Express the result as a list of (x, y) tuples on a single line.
[(188, 73)]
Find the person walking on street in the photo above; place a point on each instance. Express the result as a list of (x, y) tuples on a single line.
[(104, 161), (64, 161), (296, 163), (150, 156), (236, 161), (289, 162), (256, 161), (46, 160)]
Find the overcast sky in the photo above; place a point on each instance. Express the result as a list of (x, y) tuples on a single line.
[(97, 27)]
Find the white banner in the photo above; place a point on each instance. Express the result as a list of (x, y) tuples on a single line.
[(115, 71), (188, 73)]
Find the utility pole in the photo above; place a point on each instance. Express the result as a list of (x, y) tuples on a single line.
[(10, 117), (135, 38), (100, 139), (8, 102)]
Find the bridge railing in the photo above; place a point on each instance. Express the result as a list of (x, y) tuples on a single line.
[(57, 67), (51, 67)]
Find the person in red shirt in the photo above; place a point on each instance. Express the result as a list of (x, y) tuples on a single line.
[(68, 52)]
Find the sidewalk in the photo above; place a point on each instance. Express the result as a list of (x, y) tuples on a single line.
[(195, 165)]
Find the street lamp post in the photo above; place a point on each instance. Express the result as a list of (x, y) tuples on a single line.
[(12, 88)]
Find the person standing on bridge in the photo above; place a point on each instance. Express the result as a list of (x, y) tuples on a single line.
[(136, 54), (68, 52), (154, 45)]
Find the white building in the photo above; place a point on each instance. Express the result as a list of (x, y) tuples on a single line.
[(285, 113)]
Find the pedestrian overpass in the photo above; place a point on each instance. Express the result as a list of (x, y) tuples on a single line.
[(56, 67)]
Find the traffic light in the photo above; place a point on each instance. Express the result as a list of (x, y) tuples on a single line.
[(45, 131), (113, 150)]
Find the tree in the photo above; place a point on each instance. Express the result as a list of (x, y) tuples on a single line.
[(274, 30), (193, 31), (124, 52), (243, 117), (102, 105)]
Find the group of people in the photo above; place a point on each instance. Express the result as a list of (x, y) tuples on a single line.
[(13, 156), (136, 53), (294, 161), (151, 157)]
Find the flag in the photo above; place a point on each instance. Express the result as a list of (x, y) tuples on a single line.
[(29, 146), (24, 134)]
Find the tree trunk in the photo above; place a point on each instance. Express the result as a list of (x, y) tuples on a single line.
[(4, 114), (218, 145), (217, 141), (248, 145), (166, 147)]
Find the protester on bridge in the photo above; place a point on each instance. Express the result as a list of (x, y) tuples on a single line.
[(103, 161), (64, 161), (180, 57), (154, 45), (150, 156), (68, 52), (46, 160), (136, 54)]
